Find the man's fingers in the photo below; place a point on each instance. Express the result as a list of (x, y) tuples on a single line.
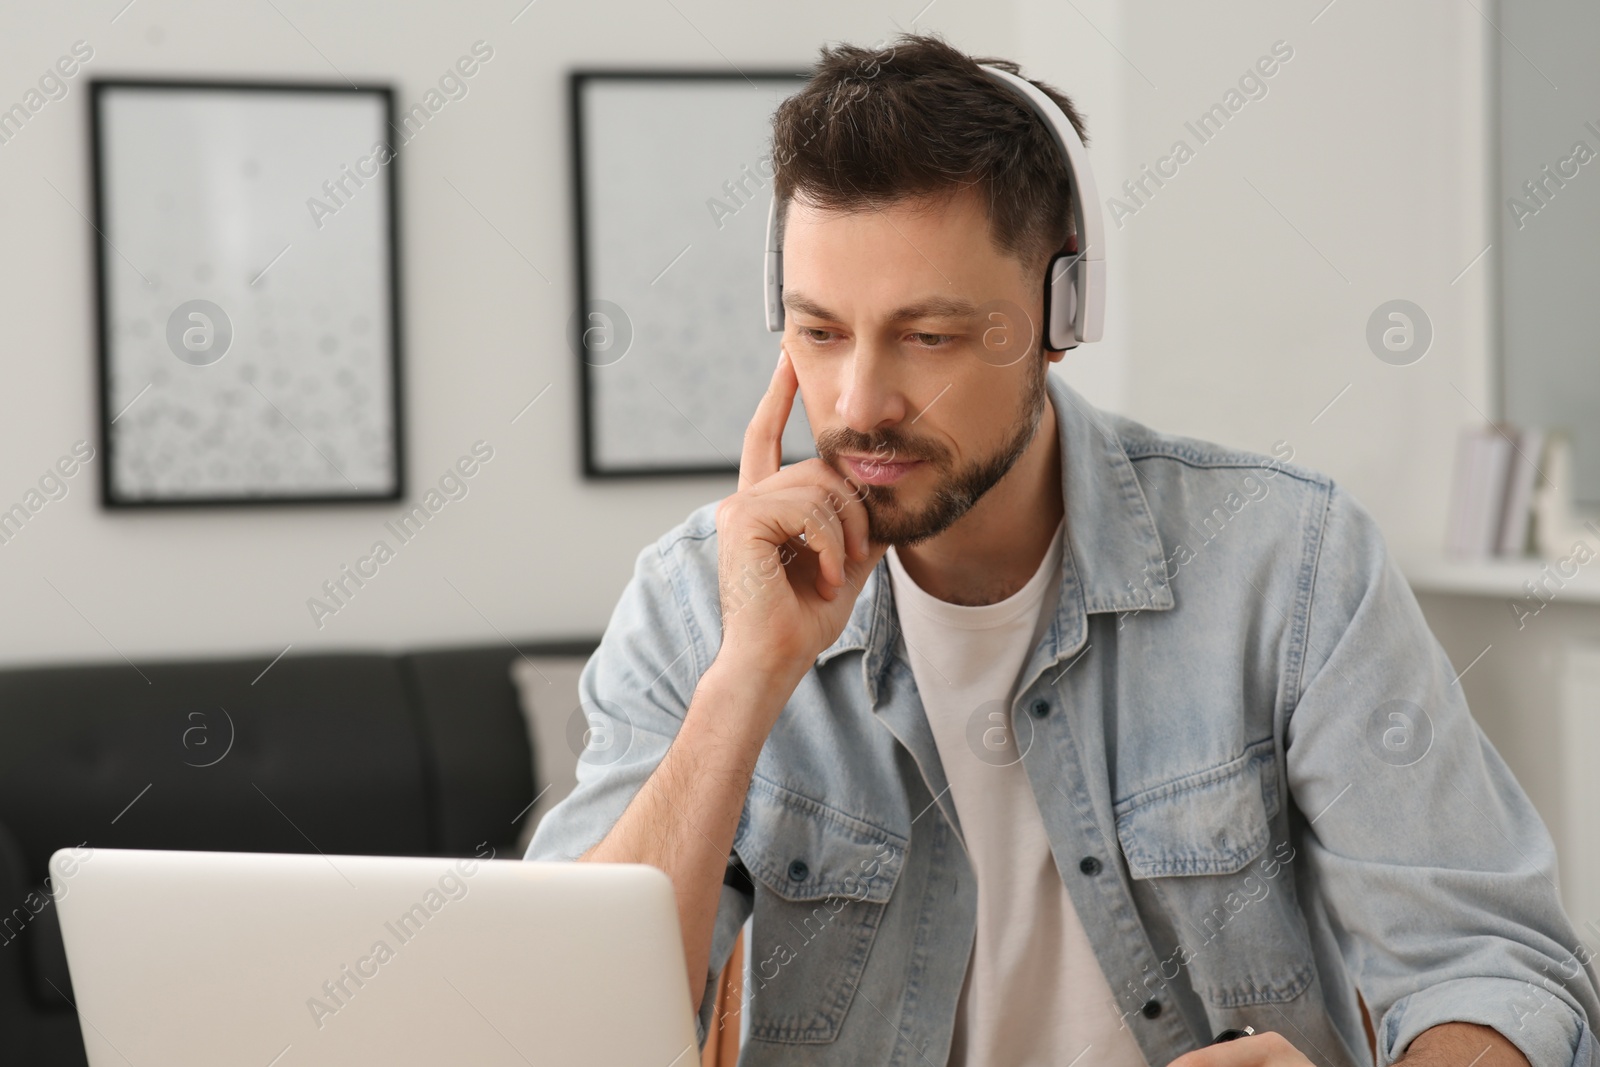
[(824, 534), (804, 517), (847, 498), (1266, 1049), (763, 438)]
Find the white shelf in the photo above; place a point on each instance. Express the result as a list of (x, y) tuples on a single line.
[(1503, 578)]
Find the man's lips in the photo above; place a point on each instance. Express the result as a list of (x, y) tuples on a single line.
[(871, 471)]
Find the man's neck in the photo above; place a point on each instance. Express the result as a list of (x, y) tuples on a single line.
[(992, 550)]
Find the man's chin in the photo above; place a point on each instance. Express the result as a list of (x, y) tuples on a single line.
[(893, 523)]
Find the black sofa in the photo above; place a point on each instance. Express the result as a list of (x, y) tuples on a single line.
[(420, 753)]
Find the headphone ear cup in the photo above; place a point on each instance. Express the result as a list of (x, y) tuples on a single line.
[(1061, 302)]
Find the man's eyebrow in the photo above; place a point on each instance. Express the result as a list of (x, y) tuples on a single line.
[(800, 303), (932, 307)]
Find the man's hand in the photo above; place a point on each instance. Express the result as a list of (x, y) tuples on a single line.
[(1266, 1049), (784, 600), (1445, 1045), (793, 548)]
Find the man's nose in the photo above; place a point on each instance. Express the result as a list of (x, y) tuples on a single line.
[(871, 396)]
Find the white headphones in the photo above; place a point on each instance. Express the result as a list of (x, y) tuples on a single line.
[(1075, 294)]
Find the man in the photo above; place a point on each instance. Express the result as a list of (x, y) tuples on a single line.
[(1028, 734)]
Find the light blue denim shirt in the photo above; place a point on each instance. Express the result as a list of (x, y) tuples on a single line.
[(1259, 777)]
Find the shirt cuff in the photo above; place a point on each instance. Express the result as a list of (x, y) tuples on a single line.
[(1546, 1029)]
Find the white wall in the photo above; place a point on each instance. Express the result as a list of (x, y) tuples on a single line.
[(1057, 43), (1359, 178), (533, 550), (1223, 321)]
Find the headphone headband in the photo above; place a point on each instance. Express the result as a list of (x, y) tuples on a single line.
[(1074, 283)]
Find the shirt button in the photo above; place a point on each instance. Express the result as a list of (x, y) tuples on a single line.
[(1089, 865), (798, 871), (1151, 1009), (1041, 708)]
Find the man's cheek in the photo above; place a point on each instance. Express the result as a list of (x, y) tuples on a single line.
[(1002, 332), (970, 409), (814, 400)]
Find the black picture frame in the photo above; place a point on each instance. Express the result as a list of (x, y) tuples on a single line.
[(585, 296), (112, 496)]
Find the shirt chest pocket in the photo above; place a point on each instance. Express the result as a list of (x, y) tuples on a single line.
[(1198, 848), (822, 882)]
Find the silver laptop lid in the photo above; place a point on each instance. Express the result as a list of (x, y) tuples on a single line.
[(209, 958)]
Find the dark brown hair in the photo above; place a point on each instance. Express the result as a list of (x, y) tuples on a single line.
[(915, 118)]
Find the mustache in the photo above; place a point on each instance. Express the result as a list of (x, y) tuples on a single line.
[(884, 446)]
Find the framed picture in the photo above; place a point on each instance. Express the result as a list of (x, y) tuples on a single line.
[(248, 287), (672, 181)]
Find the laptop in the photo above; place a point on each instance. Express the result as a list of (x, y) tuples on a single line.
[(269, 960)]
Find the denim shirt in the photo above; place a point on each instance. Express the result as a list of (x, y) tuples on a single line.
[(1259, 777)]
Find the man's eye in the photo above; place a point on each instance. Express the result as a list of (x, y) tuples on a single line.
[(932, 340), (814, 333)]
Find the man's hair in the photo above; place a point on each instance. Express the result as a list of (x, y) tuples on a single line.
[(918, 118)]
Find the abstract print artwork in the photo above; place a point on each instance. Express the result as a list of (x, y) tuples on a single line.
[(249, 348)]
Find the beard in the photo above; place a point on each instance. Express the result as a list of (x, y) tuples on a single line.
[(890, 519)]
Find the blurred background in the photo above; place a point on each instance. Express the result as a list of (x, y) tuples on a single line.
[(1382, 254)]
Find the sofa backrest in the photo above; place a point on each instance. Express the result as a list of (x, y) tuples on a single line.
[(320, 752), (420, 753), (480, 731)]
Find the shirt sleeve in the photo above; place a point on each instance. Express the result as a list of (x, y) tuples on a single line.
[(1437, 874), (634, 692)]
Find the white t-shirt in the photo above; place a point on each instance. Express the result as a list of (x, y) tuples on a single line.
[(1034, 992)]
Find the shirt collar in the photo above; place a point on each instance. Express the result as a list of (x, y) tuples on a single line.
[(1111, 560)]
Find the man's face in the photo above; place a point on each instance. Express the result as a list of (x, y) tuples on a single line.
[(917, 347)]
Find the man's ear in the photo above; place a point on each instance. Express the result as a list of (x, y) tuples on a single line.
[(1054, 355)]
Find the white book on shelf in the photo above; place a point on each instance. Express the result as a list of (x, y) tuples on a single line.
[(1478, 492), (1498, 453), (1519, 492)]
